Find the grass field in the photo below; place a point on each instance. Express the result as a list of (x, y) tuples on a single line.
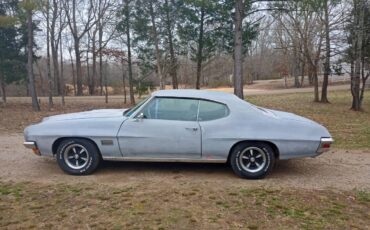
[(180, 206), (351, 130)]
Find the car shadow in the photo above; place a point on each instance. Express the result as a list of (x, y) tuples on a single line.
[(282, 168), (172, 167)]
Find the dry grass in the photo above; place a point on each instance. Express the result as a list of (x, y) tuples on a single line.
[(184, 206), (351, 130)]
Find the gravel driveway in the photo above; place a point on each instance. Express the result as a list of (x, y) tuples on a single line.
[(338, 169)]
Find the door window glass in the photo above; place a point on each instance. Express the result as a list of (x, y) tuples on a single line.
[(171, 109)]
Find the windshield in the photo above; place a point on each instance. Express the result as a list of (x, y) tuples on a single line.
[(132, 110)]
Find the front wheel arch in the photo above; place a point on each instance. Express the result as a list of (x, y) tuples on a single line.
[(61, 139), (272, 145)]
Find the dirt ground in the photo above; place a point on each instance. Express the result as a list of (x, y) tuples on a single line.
[(338, 169)]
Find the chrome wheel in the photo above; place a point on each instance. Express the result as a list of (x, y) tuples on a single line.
[(76, 156), (252, 159)]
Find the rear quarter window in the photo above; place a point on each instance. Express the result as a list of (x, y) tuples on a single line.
[(209, 110)]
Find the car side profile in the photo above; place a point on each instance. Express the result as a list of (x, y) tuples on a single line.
[(179, 126)]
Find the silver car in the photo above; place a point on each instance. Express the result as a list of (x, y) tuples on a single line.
[(179, 126)]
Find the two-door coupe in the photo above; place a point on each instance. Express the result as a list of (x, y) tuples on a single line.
[(179, 126)]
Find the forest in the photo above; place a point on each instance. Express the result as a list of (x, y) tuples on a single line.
[(99, 47)]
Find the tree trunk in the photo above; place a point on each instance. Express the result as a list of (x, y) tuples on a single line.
[(41, 78), (364, 79), (302, 72), (78, 68), (238, 49), (130, 80), (3, 88), (156, 45), (310, 78), (88, 64), (316, 87), (30, 76), (76, 40), (296, 68), (94, 57), (324, 91), (106, 81), (100, 40), (200, 49), (61, 76), (50, 82), (173, 69), (359, 24), (54, 48), (73, 74), (124, 84)]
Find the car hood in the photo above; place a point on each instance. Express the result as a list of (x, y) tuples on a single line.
[(99, 113)]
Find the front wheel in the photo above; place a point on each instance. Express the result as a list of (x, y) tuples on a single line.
[(78, 156), (252, 160)]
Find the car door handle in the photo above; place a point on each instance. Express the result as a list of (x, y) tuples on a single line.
[(192, 129)]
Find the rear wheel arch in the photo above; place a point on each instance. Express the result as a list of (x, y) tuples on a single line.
[(272, 145)]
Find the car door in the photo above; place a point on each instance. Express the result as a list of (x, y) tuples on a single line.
[(164, 128)]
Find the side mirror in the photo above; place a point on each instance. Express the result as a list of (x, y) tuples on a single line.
[(139, 117)]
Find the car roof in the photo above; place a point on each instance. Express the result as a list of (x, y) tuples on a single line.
[(192, 93)]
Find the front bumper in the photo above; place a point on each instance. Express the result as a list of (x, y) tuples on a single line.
[(32, 145)]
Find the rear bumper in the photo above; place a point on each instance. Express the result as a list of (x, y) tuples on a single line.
[(32, 145), (325, 144)]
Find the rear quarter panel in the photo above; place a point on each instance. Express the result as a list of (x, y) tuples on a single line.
[(293, 139)]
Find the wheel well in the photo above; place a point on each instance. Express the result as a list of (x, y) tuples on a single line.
[(59, 140), (272, 145)]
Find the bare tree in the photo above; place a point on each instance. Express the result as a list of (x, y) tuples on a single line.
[(73, 71), (359, 53), (31, 81), (61, 26), (169, 27), (48, 68), (156, 45), (125, 28), (238, 48), (79, 26), (324, 91)]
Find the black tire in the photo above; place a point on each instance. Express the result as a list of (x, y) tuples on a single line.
[(241, 158), (78, 156)]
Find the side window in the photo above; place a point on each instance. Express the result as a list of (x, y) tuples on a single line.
[(209, 110), (171, 109)]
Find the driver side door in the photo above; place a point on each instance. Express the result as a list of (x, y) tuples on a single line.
[(167, 129)]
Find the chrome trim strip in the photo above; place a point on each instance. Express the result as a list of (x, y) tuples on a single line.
[(29, 144), (185, 160), (327, 140)]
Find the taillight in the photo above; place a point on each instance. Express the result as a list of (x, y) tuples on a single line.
[(325, 144)]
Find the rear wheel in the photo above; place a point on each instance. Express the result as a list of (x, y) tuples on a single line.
[(78, 156), (252, 160)]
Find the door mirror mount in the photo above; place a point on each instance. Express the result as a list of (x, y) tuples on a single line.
[(139, 117)]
